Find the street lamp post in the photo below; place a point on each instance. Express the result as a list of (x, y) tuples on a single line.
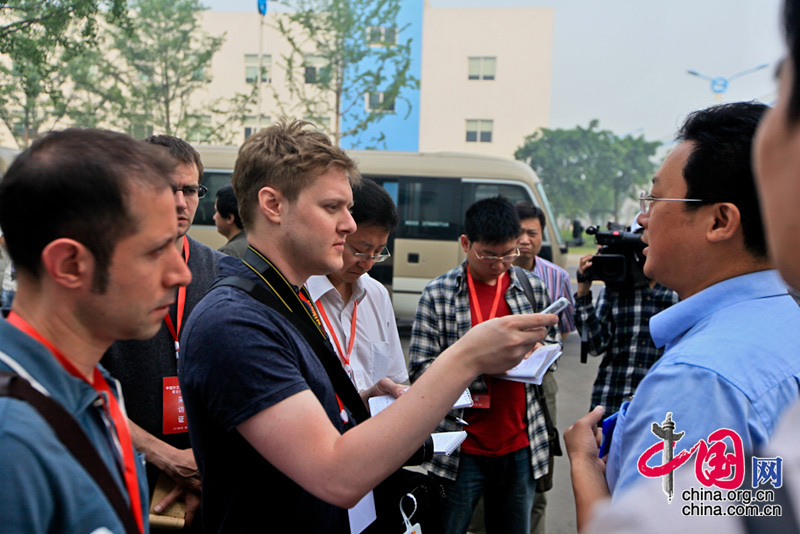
[(262, 9), (720, 84)]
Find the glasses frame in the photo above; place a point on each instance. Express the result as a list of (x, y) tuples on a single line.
[(508, 258), (646, 201), (201, 191), (363, 256)]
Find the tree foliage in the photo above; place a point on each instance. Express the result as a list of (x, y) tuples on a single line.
[(37, 39), (342, 50), (588, 171), (153, 71), (32, 30)]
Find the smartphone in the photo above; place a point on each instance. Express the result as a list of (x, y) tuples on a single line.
[(558, 306)]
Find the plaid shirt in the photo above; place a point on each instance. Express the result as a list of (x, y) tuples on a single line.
[(443, 316), (620, 328)]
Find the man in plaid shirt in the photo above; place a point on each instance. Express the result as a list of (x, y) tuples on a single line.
[(556, 279), (619, 327), (506, 449)]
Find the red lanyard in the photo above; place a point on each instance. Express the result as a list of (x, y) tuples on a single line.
[(123, 436), (344, 356), (474, 297), (313, 311), (176, 332)]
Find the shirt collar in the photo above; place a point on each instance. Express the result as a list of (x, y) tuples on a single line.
[(671, 324), (319, 286)]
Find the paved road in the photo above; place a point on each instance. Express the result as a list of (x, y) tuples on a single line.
[(574, 389)]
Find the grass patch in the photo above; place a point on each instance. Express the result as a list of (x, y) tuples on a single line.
[(588, 248)]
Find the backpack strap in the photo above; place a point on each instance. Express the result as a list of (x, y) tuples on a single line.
[(323, 350), (74, 439), (342, 385), (527, 288)]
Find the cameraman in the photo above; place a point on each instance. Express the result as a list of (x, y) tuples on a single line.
[(619, 327)]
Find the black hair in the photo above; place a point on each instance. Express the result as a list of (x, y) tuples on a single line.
[(720, 168), (791, 26), (492, 221), (372, 205), (75, 184), (180, 150), (227, 205), (526, 210)]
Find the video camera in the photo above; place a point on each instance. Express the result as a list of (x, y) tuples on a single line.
[(620, 260)]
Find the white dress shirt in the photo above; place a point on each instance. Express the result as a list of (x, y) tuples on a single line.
[(377, 352)]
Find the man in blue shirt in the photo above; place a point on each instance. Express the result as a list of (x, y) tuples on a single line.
[(98, 265), (731, 343)]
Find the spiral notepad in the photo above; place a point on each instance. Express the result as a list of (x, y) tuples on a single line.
[(381, 402), (447, 442)]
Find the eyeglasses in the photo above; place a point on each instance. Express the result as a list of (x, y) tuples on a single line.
[(363, 256), (191, 191), (491, 259), (646, 201)]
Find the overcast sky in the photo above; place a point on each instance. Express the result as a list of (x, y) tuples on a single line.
[(624, 62)]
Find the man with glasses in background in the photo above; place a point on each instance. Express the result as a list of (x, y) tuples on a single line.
[(152, 394), (355, 308), (506, 447), (731, 343)]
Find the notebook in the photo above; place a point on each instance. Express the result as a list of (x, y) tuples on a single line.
[(381, 402), (447, 442), (532, 369)]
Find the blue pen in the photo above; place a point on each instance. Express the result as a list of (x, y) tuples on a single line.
[(609, 423)]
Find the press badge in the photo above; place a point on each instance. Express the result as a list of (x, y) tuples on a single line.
[(481, 400), (174, 420)]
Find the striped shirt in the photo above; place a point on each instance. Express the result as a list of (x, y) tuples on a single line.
[(557, 281), (443, 316), (620, 328)]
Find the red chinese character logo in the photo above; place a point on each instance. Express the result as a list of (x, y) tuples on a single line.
[(714, 466)]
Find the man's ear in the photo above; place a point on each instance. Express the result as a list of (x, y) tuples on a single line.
[(465, 243), (726, 222), (271, 203), (68, 263)]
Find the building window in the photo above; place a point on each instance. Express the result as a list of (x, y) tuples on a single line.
[(251, 124), (200, 129), (376, 101), (482, 68), (382, 35), (323, 124), (479, 131), (313, 66), (199, 74), (251, 68), (140, 130)]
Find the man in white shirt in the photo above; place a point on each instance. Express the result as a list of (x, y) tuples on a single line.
[(355, 308)]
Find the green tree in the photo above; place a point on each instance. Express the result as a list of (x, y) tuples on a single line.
[(37, 39), (342, 50), (588, 170), (149, 78)]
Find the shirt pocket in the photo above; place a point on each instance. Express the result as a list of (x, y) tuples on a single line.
[(379, 360)]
